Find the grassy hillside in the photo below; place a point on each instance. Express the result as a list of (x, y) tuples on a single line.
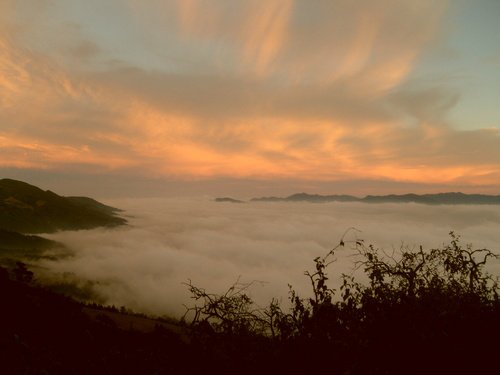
[(25, 208)]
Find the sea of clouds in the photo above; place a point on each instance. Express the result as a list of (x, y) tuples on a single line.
[(169, 241)]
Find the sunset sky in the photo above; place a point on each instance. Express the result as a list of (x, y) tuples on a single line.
[(230, 96)]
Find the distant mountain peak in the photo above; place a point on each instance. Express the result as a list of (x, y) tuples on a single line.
[(228, 200)]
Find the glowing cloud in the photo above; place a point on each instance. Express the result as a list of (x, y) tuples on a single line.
[(194, 89)]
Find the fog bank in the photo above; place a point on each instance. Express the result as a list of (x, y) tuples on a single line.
[(143, 265)]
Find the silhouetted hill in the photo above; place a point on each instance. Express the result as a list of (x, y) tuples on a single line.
[(228, 200), (45, 333), (440, 198), (92, 204), (28, 209), (300, 197), (12, 240), (16, 246), (304, 197)]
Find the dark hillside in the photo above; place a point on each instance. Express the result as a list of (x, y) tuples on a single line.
[(21, 247), (12, 241), (27, 209), (92, 204), (45, 333)]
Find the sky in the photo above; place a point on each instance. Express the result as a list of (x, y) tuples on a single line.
[(129, 97)]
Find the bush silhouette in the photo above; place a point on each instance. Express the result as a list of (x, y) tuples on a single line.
[(421, 307)]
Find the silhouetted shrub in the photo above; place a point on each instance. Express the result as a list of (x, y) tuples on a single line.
[(419, 306), (22, 273)]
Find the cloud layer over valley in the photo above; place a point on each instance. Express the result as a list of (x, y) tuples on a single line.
[(169, 241)]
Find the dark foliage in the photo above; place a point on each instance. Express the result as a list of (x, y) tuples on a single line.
[(434, 311)]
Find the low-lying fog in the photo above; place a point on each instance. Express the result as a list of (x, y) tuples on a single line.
[(143, 265)]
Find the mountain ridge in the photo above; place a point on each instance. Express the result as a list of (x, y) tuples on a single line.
[(431, 199), (26, 208)]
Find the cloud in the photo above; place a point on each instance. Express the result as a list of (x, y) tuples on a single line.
[(196, 89), (427, 104), (170, 241)]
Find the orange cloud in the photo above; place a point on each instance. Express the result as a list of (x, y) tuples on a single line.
[(360, 48), (197, 18), (266, 31), (25, 153), (310, 109)]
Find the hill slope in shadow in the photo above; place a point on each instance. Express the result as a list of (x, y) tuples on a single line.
[(26, 208)]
